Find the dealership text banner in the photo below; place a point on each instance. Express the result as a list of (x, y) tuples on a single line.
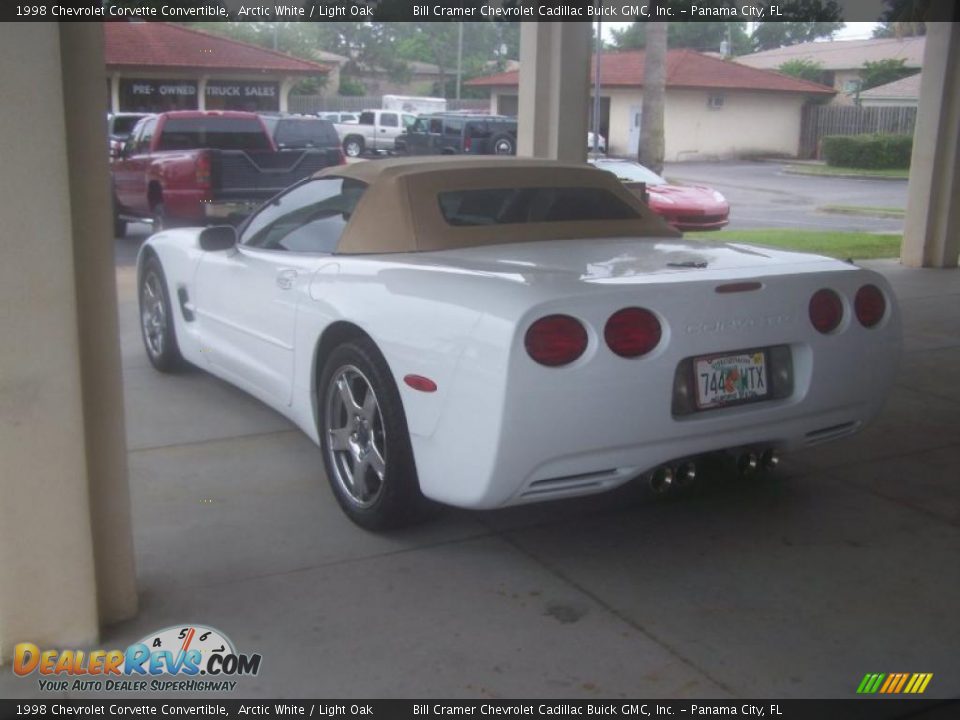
[(482, 10)]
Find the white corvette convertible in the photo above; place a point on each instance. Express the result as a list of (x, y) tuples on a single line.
[(490, 332)]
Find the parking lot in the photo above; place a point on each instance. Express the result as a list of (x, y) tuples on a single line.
[(763, 195), (796, 585)]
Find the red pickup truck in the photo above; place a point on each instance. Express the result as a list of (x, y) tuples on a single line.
[(195, 168)]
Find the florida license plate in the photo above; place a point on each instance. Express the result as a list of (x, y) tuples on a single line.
[(731, 379)]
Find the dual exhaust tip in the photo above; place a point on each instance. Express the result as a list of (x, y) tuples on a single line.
[(667, 477)]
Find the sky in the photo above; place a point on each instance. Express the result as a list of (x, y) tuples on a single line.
[(852, 31)]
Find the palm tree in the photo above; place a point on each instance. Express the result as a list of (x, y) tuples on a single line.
[(654, 86)]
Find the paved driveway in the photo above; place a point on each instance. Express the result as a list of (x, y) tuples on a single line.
[(761, 195)]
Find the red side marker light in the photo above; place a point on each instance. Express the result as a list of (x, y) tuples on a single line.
[(421, 383)]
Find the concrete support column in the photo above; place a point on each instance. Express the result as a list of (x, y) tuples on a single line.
[(931, 235), (554, 90), (47, 580), (202, 92), (286, 85), (115, 93), (81, 48), (64, 509)]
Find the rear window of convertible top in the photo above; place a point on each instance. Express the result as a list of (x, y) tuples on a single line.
[(512, 206)]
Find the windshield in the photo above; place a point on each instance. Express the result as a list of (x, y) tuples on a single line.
[(123, 124), (631, 172), (305, 133), (211, 131)]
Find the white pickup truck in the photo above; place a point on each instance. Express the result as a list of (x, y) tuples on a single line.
[(375, 132)]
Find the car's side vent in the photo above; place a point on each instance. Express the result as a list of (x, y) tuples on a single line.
[(185, 307)]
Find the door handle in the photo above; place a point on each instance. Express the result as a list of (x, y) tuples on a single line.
[(286, 278)]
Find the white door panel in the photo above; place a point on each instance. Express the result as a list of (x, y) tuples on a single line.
[(246, 310)]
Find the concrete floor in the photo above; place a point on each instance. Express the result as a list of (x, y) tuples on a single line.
[(844, 564)]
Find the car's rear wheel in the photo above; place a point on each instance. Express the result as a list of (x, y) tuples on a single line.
[(353, 147), (365, 441), (156, 319)]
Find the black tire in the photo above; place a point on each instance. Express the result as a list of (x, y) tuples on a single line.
[(161, 221), (353, 146), (395, 498), (503, 144), (119, 225), (159, 337)]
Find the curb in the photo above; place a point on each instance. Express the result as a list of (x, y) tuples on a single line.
[(793, 171)]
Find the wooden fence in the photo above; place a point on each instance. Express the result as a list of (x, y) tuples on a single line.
[(345, 103), (822, 120)]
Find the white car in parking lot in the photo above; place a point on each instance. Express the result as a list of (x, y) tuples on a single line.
[(492, 331)]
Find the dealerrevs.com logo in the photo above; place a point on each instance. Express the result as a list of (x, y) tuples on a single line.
[(185, 657)]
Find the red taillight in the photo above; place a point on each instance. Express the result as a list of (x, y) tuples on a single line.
[(556, 340), (870, 305), (467, 143), (632, 332), (203, 170), (826, 310)]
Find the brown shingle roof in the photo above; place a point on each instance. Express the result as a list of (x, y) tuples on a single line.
[(842, 54), (907, 88), (685, 69), (163, 45)]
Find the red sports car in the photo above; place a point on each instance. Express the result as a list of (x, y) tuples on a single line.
[(685, 207)]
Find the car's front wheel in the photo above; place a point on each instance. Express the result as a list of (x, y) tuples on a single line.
[(365, 441), (156, 319)]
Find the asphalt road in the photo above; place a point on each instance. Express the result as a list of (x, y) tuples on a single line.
[(761, 195)]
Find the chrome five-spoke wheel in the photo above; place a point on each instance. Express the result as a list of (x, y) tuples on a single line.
[(156, 319), (153, 315), (366, 444), (356, 437)]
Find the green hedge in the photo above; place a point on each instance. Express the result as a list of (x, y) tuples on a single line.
[(873, 152)]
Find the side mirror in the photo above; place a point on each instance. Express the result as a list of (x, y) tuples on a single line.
[(218, 237)]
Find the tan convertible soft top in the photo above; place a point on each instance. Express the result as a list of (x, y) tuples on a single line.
[(400, 210)]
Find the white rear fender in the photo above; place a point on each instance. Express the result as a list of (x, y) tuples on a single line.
[(416, 333)]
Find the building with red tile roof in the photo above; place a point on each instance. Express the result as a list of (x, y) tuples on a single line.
[(714, 108), (154, 66)]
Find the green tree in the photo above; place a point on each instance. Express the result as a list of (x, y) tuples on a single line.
[(882, 72), (803, 68), (702, 36), (352, 87), (899, 29), (769, 35)]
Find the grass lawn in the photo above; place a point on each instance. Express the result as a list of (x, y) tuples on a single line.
[(865, 210), (843, 245), (804, 169)]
